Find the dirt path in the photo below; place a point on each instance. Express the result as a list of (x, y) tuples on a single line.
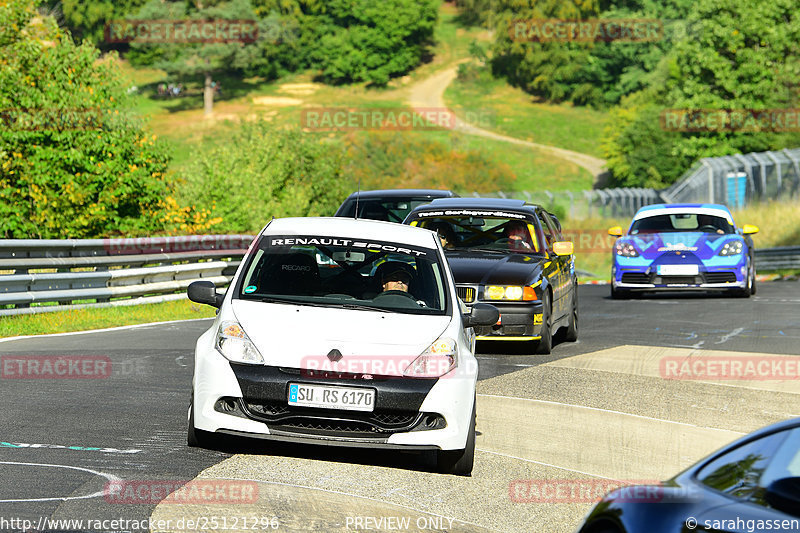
[(430, 93)]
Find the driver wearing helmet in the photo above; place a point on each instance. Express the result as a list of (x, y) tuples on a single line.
[(518, 236)]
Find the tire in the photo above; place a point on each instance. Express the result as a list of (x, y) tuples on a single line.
[(459, 462), (750, 286), (619, 294), (545, 344), (197, 438), (572, 329)]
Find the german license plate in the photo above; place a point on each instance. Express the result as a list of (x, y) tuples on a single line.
[(328, 397), (678, 270)]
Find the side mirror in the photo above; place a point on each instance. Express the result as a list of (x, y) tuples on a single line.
[(616, 231), (749, 229), (481, 315), (563, 248), (205, 292), (784, 495)]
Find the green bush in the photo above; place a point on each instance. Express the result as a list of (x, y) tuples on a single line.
[(265, 171), (74, 162), (386, 160)]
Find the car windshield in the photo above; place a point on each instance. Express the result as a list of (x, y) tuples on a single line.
[(501, 234), (389, 210), (697, 222), (342, 272)]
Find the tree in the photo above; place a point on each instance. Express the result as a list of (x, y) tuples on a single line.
[(74, 162), (371, 40), (267, 171), (87, 20), (197, 57), (739, 57)]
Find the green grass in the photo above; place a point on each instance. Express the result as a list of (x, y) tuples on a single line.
[(107, 317), (181, 123), (517, 114)]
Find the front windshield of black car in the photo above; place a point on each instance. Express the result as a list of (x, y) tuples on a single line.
[(696, 222), (390, 210), (344, 272), (511, 233)]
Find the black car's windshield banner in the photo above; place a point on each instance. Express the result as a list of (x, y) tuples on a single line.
[(469, 213), (285, 241)]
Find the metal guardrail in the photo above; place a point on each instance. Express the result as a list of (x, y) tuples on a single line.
[(75, 274), (71, 274), (778, 258)]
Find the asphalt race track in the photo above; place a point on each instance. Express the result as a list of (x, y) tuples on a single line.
[(592, 415)]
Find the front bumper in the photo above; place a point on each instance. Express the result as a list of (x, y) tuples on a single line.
[(409, 413)]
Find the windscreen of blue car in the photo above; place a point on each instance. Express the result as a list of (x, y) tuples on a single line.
[(345, 272), (682, 222)]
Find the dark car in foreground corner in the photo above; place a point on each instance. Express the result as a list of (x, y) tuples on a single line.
[(750, 485), (510, 254), (390, 205), (681, 247)]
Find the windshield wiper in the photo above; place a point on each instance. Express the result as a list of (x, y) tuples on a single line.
[(487, 249), (364, 307), (271, 300)]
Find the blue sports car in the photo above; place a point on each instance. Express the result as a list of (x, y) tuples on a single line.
[(683, 247)]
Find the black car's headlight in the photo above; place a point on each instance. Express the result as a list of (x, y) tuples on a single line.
[(731, 248), (510, 292)]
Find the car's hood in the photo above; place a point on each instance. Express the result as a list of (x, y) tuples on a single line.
[(300, 336), (703, 245), (493, 268)]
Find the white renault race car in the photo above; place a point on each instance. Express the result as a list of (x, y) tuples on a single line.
[(345, 332)]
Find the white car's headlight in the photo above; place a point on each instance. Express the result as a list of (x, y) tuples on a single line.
[(436, 361), (234, 344)]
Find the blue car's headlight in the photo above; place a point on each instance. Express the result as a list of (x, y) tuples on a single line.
[(731, 248), (625, 249)]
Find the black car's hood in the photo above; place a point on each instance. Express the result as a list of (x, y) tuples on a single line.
[(477, 267)]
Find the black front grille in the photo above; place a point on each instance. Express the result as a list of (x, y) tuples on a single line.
[(720, 277), (467, 294), (676, 280), (635, 277), (380, 423)]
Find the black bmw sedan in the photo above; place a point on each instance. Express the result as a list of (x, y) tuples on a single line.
[(750, 485), (510, 254)]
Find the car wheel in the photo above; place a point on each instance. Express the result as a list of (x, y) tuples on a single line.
[(545, 344), (619, 294), (459, 462), (197, 438), (753, 280), (749, 287), (572, 328)]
